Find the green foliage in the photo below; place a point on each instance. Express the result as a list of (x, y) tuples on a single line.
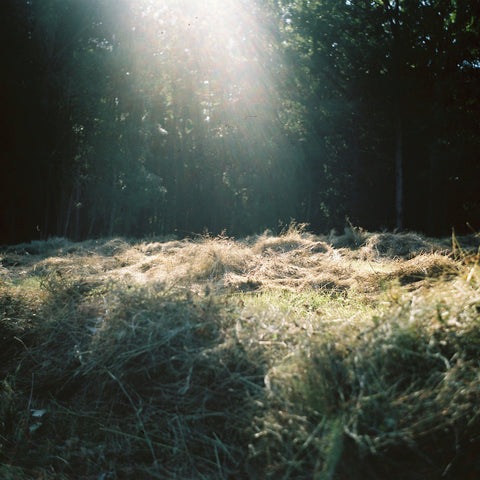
[(362, 67), (138, 118)]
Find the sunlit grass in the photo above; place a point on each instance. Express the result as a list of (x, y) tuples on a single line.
[(290, 356)]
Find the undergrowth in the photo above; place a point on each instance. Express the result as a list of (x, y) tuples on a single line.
[(293, 357)]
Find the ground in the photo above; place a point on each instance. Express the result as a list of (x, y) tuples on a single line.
[(294, 356)]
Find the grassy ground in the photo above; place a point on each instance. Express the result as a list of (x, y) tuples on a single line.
[(351, 356)]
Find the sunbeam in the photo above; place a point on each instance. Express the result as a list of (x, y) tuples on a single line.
[(214, 67), (221, 44)]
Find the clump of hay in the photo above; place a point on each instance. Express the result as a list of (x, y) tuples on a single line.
[(294, 238), (52, 246), (155, 377), (399, 245), (423, 270), (352, 237), (114, 246), (264, 358), (241, 283), (426, 266), (364, 406), (466, 243), (214, 258), (168, 244)]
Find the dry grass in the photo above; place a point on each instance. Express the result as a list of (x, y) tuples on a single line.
[(297, 356)]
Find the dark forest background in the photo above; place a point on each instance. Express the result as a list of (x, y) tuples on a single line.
[(117, 120)]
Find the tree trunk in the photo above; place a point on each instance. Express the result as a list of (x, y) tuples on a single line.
[(68, 215), (399, 173), (92, 223), (355, 201), (113, 212), (431, 191), (77, 207), (392, 8)]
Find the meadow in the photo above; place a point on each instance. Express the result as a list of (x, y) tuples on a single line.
[(291, 356)]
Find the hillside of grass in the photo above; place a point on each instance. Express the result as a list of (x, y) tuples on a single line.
[(352, 356)]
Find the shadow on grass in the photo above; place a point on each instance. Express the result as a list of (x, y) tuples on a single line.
[(153, 385)]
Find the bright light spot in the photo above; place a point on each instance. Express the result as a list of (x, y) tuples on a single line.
[(224, 41), (216, 75)]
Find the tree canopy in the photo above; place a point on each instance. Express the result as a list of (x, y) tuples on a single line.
[(148, 117)]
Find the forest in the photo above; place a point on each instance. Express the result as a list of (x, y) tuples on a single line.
[(143, 117), (239, 239)]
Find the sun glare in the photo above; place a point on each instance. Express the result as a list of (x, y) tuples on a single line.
[(221, 43), (215, 69)]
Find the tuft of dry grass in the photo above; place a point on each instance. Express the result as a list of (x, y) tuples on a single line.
[(401, 245), (294, 356), (395, 400), (150, 375)]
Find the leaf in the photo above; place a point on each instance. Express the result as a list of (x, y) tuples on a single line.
[(38, 413), (35, 427)]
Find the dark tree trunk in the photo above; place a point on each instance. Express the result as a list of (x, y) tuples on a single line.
[(393, 9), (399, 173)]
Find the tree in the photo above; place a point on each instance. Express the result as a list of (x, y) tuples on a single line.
[(379, 82), (143, 117)]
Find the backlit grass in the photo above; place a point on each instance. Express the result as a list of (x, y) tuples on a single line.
[(292, 356)]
